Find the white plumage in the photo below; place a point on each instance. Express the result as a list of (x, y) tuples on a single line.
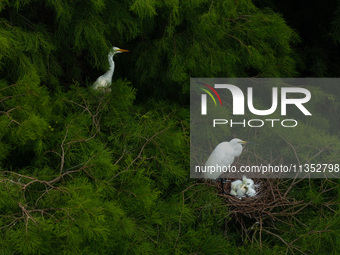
[(248, 182), (105, 80), (251, 192), (224, 155), (245, 187), (241, 190), (238, 188), (236, 184)]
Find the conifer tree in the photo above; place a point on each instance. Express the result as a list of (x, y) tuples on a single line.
[(83, 172)]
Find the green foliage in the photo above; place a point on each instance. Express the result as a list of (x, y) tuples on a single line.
[(83, 172), (171, 41), (222, 39), (318, 27)]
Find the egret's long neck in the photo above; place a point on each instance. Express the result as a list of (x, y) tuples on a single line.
[(109, 73)]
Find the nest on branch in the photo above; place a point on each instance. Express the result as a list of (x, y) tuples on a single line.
[(268, 198), (271, 203), (274, 211)]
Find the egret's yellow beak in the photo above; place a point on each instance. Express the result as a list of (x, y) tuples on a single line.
[(243, 142), (122, 50)]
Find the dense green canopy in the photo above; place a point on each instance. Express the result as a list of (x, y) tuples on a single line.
[(82, 172)]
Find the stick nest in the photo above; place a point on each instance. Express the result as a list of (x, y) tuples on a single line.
[(268, 198)]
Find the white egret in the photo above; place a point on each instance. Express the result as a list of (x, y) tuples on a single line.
[(105, 80), (245, 187), (242, 190), (235, 184), (248, 182), (251, 186), (223, 156), (239, 190), (251, 192)]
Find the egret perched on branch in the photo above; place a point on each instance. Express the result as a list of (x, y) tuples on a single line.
[(105, 80), (223, 156)]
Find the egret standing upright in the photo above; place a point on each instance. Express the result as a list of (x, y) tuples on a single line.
[(105, 80), (223, 156)]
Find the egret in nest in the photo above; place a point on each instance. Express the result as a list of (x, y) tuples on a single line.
[(104, 81), (241, 188)]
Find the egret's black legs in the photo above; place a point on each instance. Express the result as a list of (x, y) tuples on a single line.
[(223, 181)]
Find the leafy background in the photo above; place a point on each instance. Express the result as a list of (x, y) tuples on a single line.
[(87, 173)]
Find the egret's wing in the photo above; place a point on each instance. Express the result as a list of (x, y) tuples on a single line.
[(222, 155), (100, 83)]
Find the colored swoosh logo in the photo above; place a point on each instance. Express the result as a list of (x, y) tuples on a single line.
[(208, 92)]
